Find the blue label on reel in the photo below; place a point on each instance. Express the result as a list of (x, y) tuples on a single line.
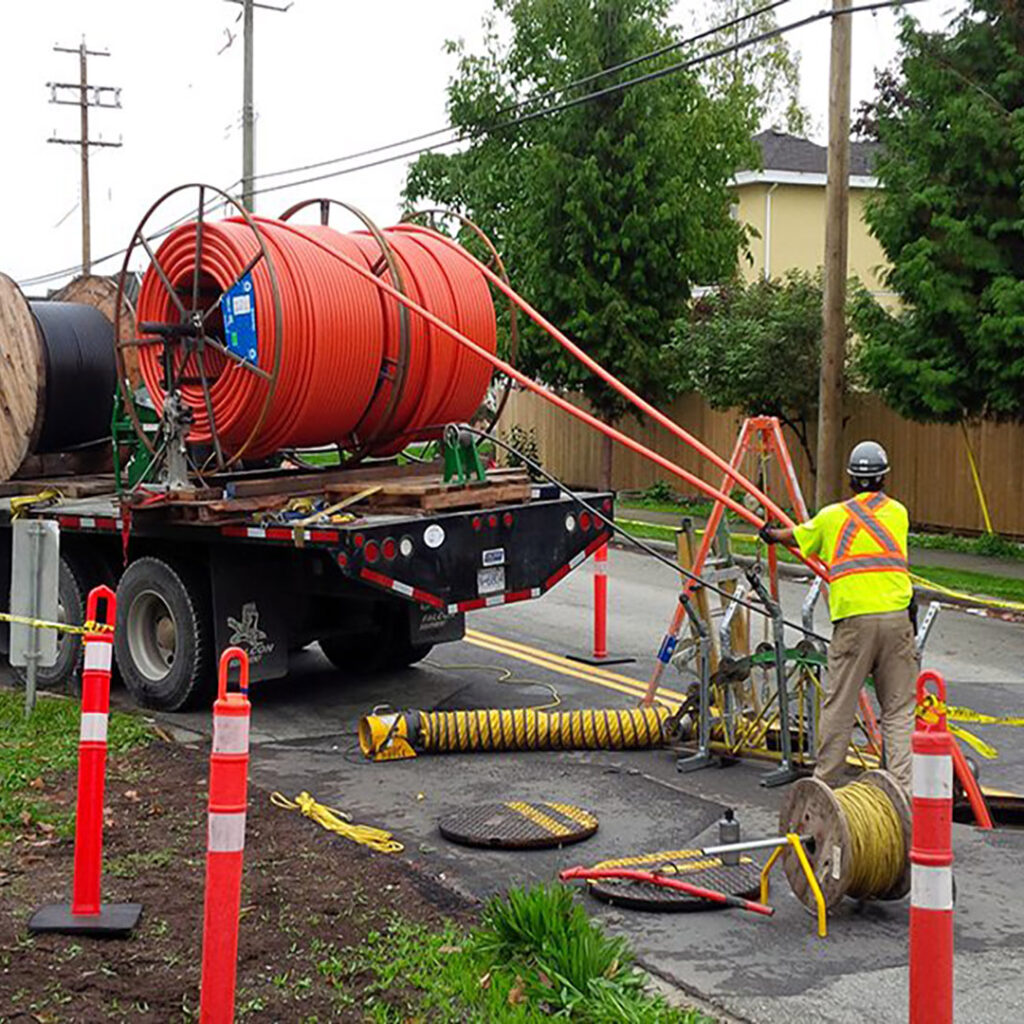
[(238, 308)]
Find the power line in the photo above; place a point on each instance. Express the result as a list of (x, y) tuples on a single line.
[(558, 108), (544, 112), (539, 97)]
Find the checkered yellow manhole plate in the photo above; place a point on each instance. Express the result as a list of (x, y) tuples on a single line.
[(518, 825), (743, 879)]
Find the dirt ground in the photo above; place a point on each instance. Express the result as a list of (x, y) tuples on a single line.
[(307, 895)]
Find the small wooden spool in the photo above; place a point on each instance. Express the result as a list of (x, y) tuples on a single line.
[(22, 379), (812, 810)]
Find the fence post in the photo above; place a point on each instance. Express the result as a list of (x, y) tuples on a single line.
[(931, 860), (229, 769), (87, 913)]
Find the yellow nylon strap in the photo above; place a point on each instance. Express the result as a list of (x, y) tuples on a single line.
[(332, 819)]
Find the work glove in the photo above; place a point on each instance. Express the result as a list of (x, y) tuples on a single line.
[(767, 534)]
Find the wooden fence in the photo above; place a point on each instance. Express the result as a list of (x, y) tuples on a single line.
[(930, 470)]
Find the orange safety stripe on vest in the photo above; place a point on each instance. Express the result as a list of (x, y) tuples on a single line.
[(889, 559)]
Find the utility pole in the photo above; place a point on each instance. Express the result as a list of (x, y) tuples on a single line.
[(106, 96), (248, 111), (837, 219)]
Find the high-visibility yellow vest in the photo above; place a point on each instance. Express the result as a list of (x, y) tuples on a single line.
[(864, 543)]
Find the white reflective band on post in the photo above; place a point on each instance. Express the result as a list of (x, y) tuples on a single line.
[(93, 728), (931, 888), (226, 832), (231, 734), (933, 776), (97, 656)]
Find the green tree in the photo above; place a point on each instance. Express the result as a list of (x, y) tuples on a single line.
[(756, 347), (950, 217), (769, 70), (606, 212)]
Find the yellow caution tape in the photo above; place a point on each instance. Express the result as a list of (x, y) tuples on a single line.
[(61, 627), (331, 819), (989, 602), (933, 707)]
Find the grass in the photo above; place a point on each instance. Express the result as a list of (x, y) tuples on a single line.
[(34, 752), (536, 955), (1005, 588)]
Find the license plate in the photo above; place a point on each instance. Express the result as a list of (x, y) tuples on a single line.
[(491, 580)]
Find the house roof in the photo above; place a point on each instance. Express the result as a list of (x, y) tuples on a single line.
[(791, 159)]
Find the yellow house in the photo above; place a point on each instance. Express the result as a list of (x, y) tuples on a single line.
[(784, 203)]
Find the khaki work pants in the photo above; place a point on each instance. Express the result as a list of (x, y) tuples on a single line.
[(881, 646)]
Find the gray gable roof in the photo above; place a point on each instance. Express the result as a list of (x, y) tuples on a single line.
[(783, 152)]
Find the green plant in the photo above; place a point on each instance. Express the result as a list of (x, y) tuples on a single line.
[(609, 211), (523, 442), (32, 752), (660, 491), (948, 216)]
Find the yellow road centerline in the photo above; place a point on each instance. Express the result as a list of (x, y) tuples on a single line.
[(575, 673), (559, 662)]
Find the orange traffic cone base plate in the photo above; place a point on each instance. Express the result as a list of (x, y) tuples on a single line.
[(115, 920)]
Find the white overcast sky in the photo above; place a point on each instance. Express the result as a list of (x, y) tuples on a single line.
[(332, 76)]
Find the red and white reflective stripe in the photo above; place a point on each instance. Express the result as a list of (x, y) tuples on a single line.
[(226, 832), (93, 728), (380, 580), (931, 887), (89, 523), (97, 656), (494, 599), (933, 776), (282, 533), (231, 734)]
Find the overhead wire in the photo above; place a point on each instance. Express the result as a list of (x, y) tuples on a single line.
[(533, 115), (598, 94), (538, 97)]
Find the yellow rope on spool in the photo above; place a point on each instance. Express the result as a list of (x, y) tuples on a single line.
[(527, 729), (876, 835), (331, 819)]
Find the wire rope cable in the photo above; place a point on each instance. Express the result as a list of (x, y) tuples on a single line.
[(878, 855)]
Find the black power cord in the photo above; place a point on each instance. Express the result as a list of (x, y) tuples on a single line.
[(615, 528)]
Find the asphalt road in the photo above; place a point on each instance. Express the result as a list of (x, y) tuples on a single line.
[(764, 970)]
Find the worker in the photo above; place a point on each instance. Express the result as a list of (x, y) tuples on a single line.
[(863, 541)]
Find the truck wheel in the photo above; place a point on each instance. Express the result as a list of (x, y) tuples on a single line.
[(77, 575), (164, 637)]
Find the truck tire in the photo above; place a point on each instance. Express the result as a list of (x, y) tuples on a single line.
[(383, 649), (370, 653), (164, 637)]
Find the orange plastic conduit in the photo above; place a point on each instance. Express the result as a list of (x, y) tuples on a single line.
[(337, 333), (610, 379), (592, 421)]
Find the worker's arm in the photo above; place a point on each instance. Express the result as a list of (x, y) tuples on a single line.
[(777, 534)]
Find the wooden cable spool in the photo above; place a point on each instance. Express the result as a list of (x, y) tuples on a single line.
[(814, 811), (56, 384)]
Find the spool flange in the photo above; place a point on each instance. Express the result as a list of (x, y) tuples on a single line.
[(812, 810)]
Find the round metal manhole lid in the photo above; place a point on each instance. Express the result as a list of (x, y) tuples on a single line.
[(743, 879), (519, 825)]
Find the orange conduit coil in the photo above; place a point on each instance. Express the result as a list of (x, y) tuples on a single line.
[(339, 336)]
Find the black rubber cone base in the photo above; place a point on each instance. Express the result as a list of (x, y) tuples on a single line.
[(114, 921), (609, 659)]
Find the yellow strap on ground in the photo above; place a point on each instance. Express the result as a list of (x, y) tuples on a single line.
[(61, 627), (331, 819)]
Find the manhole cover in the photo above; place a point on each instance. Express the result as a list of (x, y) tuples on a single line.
[(743, 879), (519, 825)]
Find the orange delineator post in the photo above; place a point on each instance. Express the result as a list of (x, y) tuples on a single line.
[(229, 771), (87, 913), (931, 863), (601, 602)]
